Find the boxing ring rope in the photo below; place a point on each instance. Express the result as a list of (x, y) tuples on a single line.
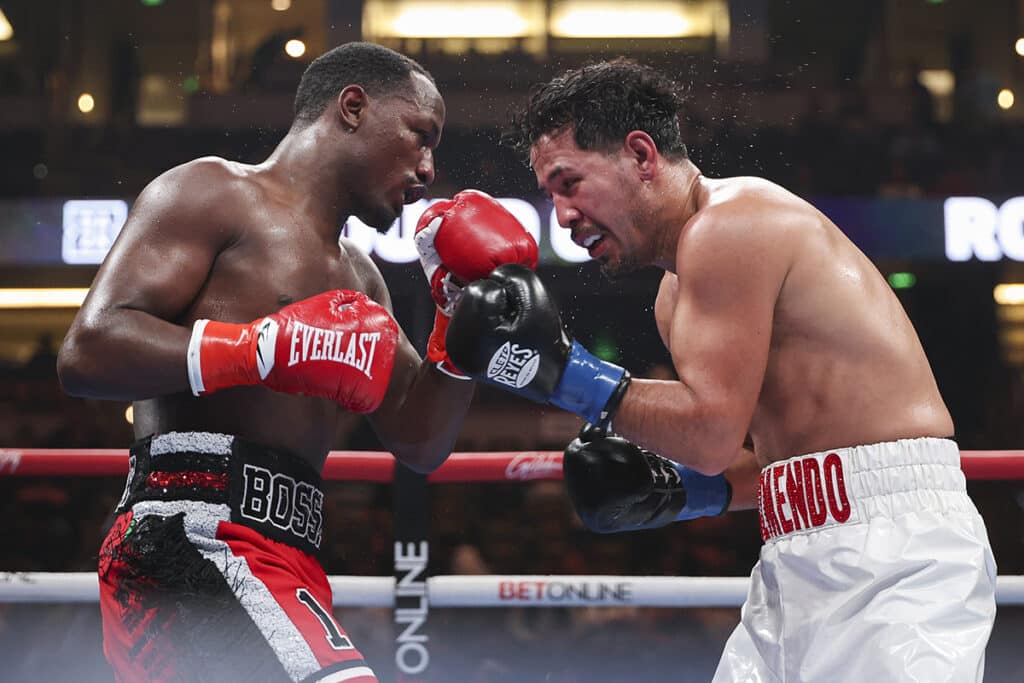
[(457, 590), (369, 466), (520, 590)]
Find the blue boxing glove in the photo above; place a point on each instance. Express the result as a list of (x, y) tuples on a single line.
[(507, 331), (615, 485)]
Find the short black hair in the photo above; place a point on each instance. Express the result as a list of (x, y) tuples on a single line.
[(602, 102), (379, 70)]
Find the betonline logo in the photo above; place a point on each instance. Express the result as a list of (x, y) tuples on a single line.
[(411, 607), (566, 591), (977, 228)]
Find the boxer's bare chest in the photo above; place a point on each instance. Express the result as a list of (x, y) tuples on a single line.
[(282, 258), (278, 261)]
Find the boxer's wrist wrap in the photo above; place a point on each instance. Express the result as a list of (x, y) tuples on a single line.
[(705, 496), (589, 385), (193, 357)]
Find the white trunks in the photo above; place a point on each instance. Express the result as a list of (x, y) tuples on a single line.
[(876, 567)]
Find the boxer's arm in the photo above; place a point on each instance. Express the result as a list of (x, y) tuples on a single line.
[(743, 475), (424, 408), (123, 343), (744, 472), (729, 274)]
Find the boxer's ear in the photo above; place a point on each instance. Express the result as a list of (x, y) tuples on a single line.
[(351, 106), (643, 153)]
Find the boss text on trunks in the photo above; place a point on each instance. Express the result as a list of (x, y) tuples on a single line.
[(289, 505)]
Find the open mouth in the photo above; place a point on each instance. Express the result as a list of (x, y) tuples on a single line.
[(414, 194), (592, 243)]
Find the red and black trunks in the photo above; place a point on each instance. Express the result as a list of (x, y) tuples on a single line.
[(208, 572)]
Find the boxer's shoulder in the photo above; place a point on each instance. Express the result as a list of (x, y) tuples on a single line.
[(207, 173), (208, 195), (744, 202), (208, 184)]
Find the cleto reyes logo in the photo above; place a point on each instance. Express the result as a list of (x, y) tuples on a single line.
[(513, 365), (803, 494)]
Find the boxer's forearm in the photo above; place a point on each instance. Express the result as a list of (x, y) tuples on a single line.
[(670, 419), (423, 414), (124, 354), (743, 475)]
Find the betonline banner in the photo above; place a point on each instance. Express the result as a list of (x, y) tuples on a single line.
[(81, 231)]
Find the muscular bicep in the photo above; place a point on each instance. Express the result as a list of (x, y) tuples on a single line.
[(729, 277), (664, 304), (129, 341), (164, 254)]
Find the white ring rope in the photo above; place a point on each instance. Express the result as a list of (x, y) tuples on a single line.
[(526, 590)]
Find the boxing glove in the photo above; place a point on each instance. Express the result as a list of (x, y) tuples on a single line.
[(615, 485), (506, 330), (338, 345), (460, 240)]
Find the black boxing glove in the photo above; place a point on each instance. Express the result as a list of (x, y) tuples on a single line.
[(507, 331), (615, 485)]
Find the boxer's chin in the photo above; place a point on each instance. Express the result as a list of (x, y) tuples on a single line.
[(381, 218), (614, 269)]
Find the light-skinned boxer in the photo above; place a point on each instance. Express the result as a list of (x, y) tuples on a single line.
[(876, 565)]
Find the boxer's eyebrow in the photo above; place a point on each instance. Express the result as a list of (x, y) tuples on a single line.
[(552, 176), (555, 172)]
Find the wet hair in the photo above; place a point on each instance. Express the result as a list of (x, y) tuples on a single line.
[(603, 102), (379, 70)]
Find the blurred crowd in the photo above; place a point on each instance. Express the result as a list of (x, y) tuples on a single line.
[(839, 151)]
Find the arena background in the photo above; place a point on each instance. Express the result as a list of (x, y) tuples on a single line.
[(895, 117)]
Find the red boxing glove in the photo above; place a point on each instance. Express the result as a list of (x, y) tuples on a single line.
[(460, 240), (338, 345)]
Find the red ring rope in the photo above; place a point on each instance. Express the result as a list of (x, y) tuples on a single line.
[(377, 466)]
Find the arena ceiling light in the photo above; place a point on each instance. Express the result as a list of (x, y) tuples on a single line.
[(58, 297), (581, 19), (6, 30), (940, 82), (432, 19), (1009, 294)]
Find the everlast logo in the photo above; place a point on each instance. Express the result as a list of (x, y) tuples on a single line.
[(803, 493), (513, 365), (289, 505), (313, 343)]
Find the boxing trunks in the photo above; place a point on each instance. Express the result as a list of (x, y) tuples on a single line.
[(208, 572), (876, 567)]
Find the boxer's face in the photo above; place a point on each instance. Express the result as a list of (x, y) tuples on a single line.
[(595, 196), (399, 164)]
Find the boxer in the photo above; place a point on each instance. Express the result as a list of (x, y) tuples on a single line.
[(241, 325), (876, 565)]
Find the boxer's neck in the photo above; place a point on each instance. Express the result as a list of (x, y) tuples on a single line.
[(304, 167)]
